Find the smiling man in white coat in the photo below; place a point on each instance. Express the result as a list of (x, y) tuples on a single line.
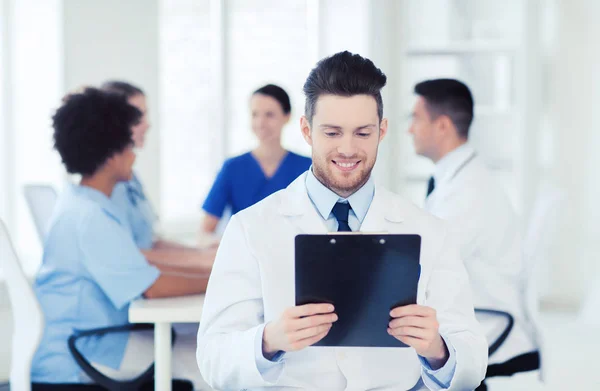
[(464, 192), (252, 336)]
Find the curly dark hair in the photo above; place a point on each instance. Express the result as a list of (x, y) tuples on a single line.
[(90, 127)]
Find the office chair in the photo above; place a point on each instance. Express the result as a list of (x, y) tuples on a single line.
[(40, 200)]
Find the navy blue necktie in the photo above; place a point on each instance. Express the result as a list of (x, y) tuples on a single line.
[(430, 186), (341, 211)]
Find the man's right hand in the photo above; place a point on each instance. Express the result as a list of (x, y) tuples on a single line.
[(297, 328)]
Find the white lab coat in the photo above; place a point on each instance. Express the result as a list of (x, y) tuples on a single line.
[(481, 217), (252, 283)]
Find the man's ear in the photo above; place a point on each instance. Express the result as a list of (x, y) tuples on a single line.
[(383, 127), (445, 125), (306, 130)]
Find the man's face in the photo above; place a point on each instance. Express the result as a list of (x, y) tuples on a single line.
[(423, 130), (344, 136)]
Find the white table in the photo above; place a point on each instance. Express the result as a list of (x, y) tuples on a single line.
[(163, 313)]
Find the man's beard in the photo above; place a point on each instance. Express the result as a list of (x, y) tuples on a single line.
[(343, 188)]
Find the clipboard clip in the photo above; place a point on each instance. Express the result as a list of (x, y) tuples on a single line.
[(357, 233), (381, 241)]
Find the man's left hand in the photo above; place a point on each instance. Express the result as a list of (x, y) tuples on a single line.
[(417, 326)]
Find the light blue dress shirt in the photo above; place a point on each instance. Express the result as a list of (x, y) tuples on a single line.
[(323, 200), (130, 199), (90, 272)]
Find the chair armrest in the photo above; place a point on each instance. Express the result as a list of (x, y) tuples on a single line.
[(502, 337), (97, 376)]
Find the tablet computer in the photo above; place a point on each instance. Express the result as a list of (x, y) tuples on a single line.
[(364, 276)]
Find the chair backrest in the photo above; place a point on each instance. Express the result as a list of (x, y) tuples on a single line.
[(41, 200), (27, 314), (541, 232)]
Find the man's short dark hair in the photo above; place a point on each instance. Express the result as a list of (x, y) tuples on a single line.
[(122, 87), (344, 74), (90, 127), (278, 94), (451, 98)]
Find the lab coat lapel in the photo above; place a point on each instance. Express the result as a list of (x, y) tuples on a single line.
[(383, 213), (298, 209)]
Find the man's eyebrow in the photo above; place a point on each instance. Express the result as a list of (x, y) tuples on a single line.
[(327, 126), (337, 127), (366, 126)]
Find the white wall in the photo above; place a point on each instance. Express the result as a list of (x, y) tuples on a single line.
[(32, 71), (5, 172), (117, 39), (367, 28), (573, 101), (343, 25)]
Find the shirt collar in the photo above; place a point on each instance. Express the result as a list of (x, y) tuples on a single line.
[(446, 167), (99, 198), (324, 199), (135, 181), (134, 189)]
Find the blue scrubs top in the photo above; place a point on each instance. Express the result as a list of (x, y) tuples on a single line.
[(131, 200), (91, 270), (242, 183)]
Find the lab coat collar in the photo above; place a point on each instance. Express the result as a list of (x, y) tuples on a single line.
[(296, 204), (446, 168)]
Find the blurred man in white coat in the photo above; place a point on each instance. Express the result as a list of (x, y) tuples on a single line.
[(252, 336), (463, 191)]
